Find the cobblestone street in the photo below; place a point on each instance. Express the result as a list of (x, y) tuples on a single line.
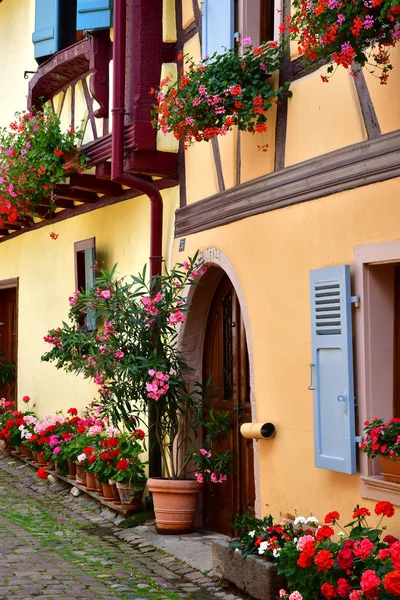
[(55, 546)]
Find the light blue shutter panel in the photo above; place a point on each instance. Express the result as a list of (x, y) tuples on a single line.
[(218, 22), (94, 14), (90, 258), (45, 36), (332, 370)]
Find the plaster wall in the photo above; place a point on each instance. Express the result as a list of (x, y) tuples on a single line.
[(17, 20), (45, 269), (272, 254)]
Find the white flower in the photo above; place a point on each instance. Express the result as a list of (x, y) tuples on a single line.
[(263, 547), (28, 435), (276, 552), (341, 533), (295, 540), (300, 521), (312, 519), (81, 457), (252, 533), (237, 550)]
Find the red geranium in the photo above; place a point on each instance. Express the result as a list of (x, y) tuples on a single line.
[(122, 464), (391, 583), (42, 473), (359, 513), (328, 591), (323, 533), (72, 411), (324, 560), (332, 517), (384, 508), (304, 560)]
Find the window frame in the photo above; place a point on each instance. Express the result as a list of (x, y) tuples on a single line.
[(247, 11), (81, 246), (367, 329)]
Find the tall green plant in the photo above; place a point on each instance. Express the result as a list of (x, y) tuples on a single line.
[(136, 363)]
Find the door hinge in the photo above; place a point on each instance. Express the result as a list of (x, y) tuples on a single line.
[(356, 301), (358, 439)]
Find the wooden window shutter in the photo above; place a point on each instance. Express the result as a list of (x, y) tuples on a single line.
[(332, 369), (218, 25), (46, 34), (94, 14)]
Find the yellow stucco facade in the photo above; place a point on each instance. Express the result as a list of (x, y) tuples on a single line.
[(270, 254)]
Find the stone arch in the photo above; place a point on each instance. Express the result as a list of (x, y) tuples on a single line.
[(191, 335)]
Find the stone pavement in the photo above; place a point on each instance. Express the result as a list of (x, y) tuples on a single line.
[(54, 546)]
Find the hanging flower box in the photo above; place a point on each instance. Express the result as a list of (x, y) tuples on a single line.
[(33, 150), (221, 92), (360, 32)]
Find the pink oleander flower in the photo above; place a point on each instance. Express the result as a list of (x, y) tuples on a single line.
[(247, 41), (205, 452), (56, 450), (106, 294), (119, 354), (199, 477)]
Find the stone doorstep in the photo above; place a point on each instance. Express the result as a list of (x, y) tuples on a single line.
[(251, 575)]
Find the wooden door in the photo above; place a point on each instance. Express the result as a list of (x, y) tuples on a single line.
[(226, 362), (8, 337)]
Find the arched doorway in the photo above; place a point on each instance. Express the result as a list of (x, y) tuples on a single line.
[(226, 362)]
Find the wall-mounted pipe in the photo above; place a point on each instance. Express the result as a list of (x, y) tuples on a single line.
[(258, 431), (134, 182)]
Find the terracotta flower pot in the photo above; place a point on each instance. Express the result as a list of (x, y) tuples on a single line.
[(7, 446), (80, 474), (175, 503), (107, 491), (90, 482), (35, 457), (130, 500), (390, 468), (99, 486), (41, 459), (116, 498), (71, 470), (25, 451), (50, 465)]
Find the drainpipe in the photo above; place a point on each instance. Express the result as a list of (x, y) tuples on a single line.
[(134, 182)]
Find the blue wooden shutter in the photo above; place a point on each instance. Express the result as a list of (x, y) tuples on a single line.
[(332, 369), (94, 14), (46, 34), (90, 258), (218, 22)]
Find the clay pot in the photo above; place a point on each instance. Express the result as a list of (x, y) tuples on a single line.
[(130, 500), (80, 474), (116, 498), (390, 468), (107, 491), (50, 465), (41, 459), (25, 451), (71, 470), (175, 503), (35, 457), (71, 162), (99, 486), (90, 482), (8, 447)]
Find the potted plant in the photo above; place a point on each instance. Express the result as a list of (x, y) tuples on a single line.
[(359, 32), (135, 361), (222, 91), (32, 151), (382, 439), (361, 562)]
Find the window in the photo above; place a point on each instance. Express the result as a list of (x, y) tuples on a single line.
[(85, 258), (227, 21), (60, 23)]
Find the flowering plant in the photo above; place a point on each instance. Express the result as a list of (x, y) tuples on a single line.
[(360, 31), (265, 538), (135, 361), (224, 90), (31, 162), (382, 438), (118, 458), (357, 565)]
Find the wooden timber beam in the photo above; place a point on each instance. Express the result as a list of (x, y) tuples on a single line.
[(4, 231), (92, 183), (59, 202), (70, 193), (12, 226)]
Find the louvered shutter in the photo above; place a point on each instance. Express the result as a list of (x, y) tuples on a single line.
[(46, 34), (90, 258), (332, 369), (218, 22), (94, 14)]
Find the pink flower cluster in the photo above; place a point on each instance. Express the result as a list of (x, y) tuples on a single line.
[(158, 386), (150, 303)]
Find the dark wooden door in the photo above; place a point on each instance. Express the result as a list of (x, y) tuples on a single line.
[(8, 337), (226, 362)]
